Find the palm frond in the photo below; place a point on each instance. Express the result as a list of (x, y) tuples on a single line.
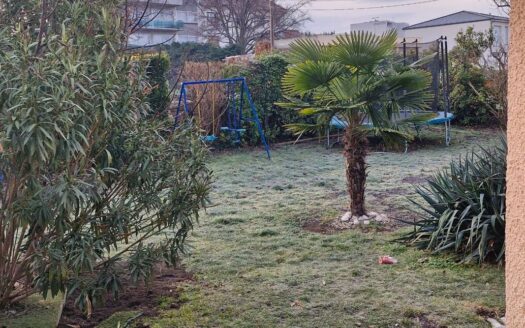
[(392, 136), (310, 75), (300, 128), (308, 50), (417, 118), (293, 103), (364, 50)]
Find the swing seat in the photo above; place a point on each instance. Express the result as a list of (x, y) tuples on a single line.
[(211, 138), (227, 129)]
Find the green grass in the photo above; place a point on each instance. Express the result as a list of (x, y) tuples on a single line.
[(34, 312), (256, 267)]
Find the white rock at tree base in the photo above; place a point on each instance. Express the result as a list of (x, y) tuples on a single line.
[(356, 221), (495, 323), (363, 218), (346, 217), (373, 214), (366, 222)]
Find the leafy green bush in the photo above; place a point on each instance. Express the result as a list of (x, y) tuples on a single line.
[(159, 99), (469, 99), (472, 100), (264, 78), (89, 177), (465, 208)]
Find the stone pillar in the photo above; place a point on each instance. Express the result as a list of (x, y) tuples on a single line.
[(515, 219)]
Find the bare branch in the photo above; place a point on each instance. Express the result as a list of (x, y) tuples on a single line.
[(244, 22)]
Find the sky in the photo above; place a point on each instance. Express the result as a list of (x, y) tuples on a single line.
[(330, 16)]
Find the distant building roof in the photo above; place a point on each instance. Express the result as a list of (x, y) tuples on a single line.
[(458, 18)]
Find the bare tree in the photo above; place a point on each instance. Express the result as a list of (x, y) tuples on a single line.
[(503, 4), (244, 22), (139, 14)]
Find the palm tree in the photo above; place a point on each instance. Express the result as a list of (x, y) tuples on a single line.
[(356, 80)]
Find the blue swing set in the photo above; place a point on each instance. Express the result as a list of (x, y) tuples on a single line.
[(236, 92)]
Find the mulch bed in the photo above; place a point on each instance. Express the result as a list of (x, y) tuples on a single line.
[(317, 226), (144, 299)]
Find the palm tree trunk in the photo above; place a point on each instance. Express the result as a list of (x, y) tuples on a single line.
[(355, 149)]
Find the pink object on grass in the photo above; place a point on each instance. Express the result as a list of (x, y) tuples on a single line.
[(387, 260)]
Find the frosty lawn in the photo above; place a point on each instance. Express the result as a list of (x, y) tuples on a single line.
[(257, 267)]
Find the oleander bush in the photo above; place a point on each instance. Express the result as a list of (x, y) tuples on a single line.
[(89, 176)]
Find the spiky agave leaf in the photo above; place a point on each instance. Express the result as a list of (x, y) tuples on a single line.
[(464, 208)]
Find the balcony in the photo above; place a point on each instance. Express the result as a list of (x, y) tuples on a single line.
[(167, 2), (165, 24), (186, 16)]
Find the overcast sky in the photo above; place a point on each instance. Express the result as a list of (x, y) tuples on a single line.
[(328, 15)]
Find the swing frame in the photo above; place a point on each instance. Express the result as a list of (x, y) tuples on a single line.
[(244, 90)]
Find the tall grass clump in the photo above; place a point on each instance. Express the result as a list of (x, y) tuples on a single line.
[(464, 208)]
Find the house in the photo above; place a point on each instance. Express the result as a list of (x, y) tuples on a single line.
[(451, 25), (375, 27), (284, 44), (165, 21), (380, 27)]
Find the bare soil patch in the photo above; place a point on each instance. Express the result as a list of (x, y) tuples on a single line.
[(489, 313), (425, 322), (316, 226), (142, 298)]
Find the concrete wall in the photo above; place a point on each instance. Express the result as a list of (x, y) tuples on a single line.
[(380, 27), (515, 220), (430, 34)]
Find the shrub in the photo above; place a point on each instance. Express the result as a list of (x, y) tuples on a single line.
[(199, 52), (465, 208), (88, 176), (264, 79), (479, 79), (159, 98), (469, 98)]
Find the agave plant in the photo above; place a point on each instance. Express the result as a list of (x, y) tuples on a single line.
[(354, 79), (464, 208)]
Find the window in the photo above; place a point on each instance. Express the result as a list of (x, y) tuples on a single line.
[(498, 34), (210, 15)]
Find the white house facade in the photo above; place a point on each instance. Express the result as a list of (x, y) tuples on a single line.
[(374, 27), (380, 27), (451, 25)]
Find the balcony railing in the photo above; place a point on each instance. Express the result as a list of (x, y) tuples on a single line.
[(167, 24), (186, 16), (167, 2)]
